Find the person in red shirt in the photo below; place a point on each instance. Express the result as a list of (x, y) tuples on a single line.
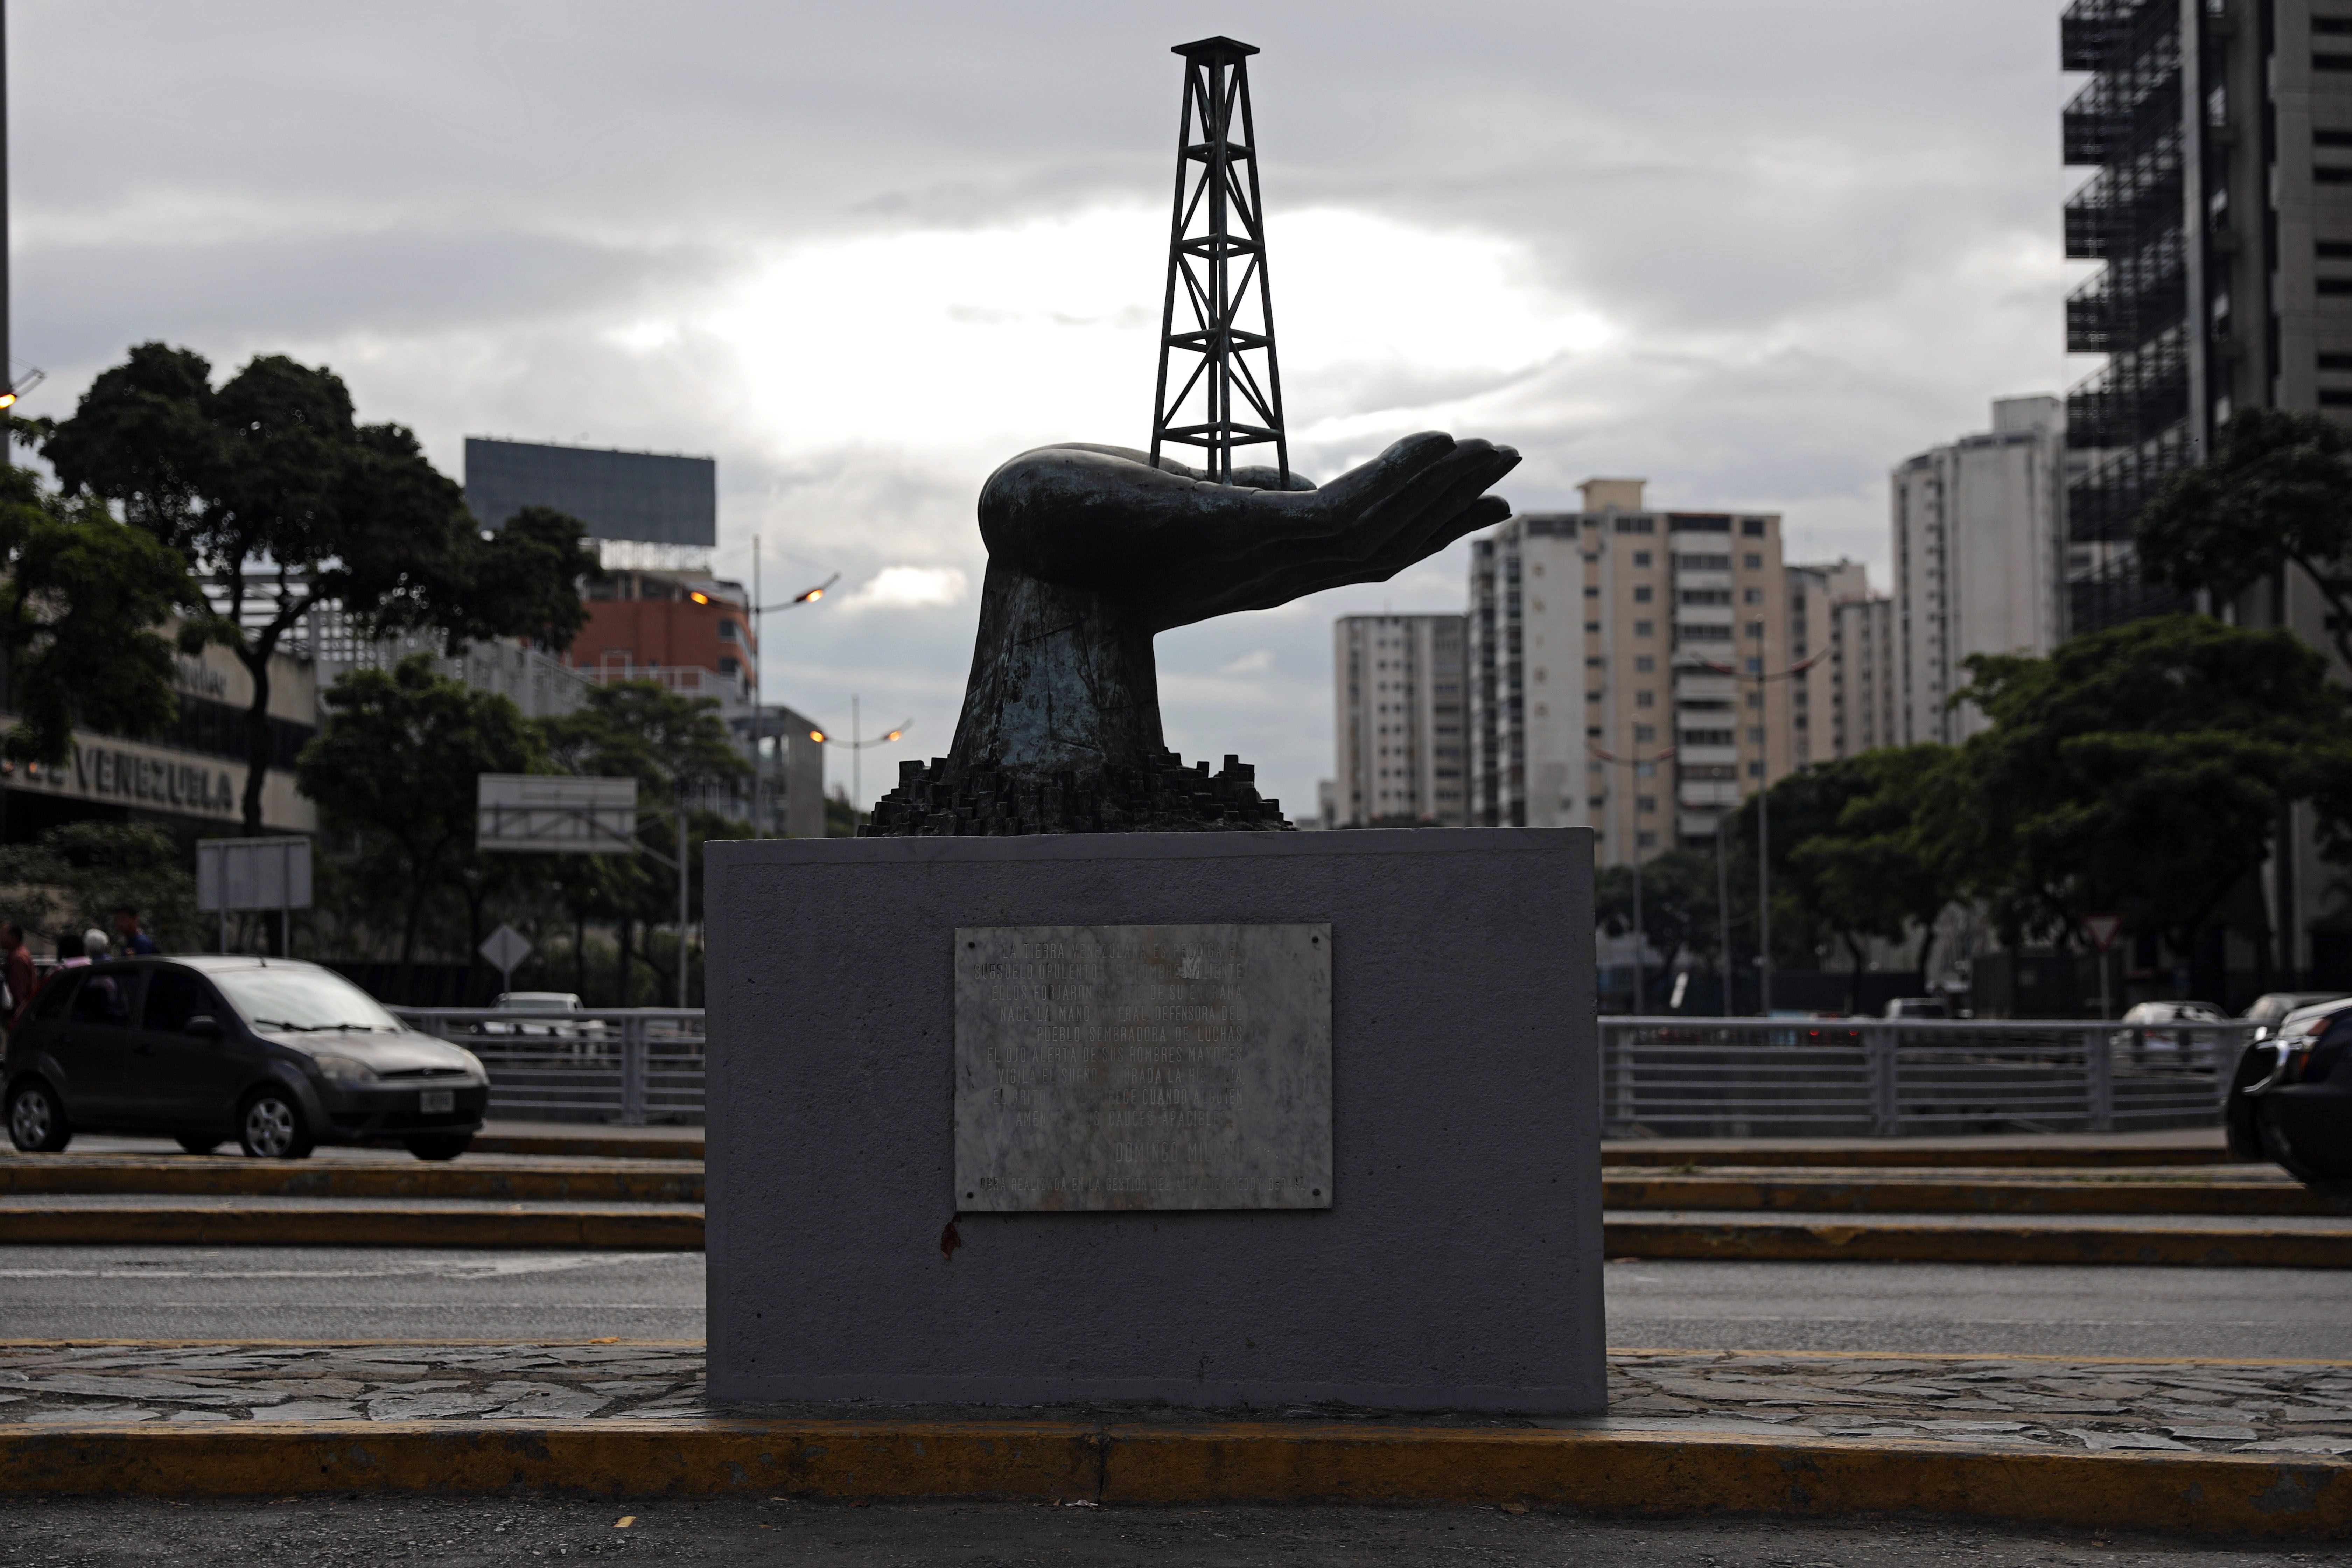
[(16, 968)]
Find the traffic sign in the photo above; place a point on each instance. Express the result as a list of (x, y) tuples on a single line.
[(505, 948), (2104, 930)]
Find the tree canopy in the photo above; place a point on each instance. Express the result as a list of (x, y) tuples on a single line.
[(397, 763), (2276, 491), (2141, 770), (81, 596), (270, 485)]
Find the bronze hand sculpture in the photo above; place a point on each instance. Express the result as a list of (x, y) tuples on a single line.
[(1093, 551)]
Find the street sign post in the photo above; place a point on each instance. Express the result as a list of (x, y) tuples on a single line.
[(505, 948), (254, 874), (2104, 930)]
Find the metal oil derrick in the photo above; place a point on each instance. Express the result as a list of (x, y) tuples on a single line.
[(1216, 262)]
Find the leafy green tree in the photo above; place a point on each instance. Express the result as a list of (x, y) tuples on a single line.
[(1678, 901), (396, 762), (1871, 874), (73, 877), (270, 485), (2277, 492), (2141, 770), (80, 597), (678, 749)]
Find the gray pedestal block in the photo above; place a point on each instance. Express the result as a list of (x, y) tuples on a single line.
[(1458, 1269)]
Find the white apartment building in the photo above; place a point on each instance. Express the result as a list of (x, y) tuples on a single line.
[(1598, 639), (1400, 708), (1979, 567)]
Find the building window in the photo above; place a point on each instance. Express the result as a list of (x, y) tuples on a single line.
[(1644, 698), (1641, 595), (729, 667), (729, 632), (1644, 664), (1643, 734), (1646, 803), (1641, 558), (1593, 626), (1752, 561), (1752, 527), (1646, 840), (1756, 770), (1641, 628), (1753, 596)]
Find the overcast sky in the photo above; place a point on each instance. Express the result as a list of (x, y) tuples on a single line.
[(863, 253)]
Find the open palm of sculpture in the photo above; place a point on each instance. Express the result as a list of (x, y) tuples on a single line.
[(1093, 551)]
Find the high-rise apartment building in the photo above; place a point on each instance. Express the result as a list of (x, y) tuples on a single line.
[(2221, 135), (1978, 558), (1864, 688), (1400, 706), (1607, 633), (2220, 132), (1817, 595)]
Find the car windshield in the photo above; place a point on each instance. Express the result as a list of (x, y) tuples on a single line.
[(304, 1000)]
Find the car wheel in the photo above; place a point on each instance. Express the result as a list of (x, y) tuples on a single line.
[(37, 1118), (195, 1144), (271, 1127), (440, 1146)]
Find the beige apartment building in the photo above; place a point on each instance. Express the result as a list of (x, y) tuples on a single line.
[(1399, 708), (1598, 640)]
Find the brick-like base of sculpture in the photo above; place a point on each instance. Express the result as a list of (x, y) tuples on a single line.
[(939, 801)]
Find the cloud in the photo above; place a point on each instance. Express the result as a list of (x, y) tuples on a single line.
[(910, 588), (864, 254)]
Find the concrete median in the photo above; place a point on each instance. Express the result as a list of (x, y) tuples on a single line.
[(1811, 1194), (1591, 1470), (665, 1182)]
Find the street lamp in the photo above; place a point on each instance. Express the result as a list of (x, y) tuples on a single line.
[(1637, 762), (855, 746), (759, 703), (1763, 826)]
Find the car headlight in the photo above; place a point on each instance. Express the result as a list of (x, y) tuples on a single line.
[(474, 1062), (343, 1069)]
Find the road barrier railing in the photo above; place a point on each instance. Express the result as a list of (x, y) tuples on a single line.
[(1665, 1077), (1815, 1078), (632, 1065)]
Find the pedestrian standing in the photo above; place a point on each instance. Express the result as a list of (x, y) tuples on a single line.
[(136, 943), (16, 967), (95, 946)]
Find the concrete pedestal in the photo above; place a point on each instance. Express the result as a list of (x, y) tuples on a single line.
[(1459, 1267)]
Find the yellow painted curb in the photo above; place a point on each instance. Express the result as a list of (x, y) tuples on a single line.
[(669, 1182), (1861, 1194), (593, 1143), (1899, 1151), (632, 1230), (1651, 1474), (1879, 1242)]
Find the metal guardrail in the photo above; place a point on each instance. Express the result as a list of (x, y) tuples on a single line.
[(629, 1065), (1668, 1077), (1716, 1078)]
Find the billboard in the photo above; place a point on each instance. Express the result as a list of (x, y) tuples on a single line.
[(555, 812), (252, 874), (619, 495)]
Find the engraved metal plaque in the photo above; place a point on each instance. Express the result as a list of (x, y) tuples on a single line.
[(1143, 1066)]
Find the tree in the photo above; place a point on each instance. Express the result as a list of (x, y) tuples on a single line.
[(678, 748), (397, 763), (2276, 491), (1871, 874), (1678, 901), (270, 485), (73, 877), (80, 596), (2141, 770)]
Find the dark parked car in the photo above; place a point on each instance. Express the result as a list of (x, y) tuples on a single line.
[(279, 1054), (2290, 1099)]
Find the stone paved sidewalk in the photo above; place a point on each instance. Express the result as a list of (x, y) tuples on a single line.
[(2179, 1406)]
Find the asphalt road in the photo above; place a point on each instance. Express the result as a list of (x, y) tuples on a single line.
[(538, 1530), (325, 1293)]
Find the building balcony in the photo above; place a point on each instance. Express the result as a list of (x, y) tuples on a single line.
[(1707, 794), (1707, 756)]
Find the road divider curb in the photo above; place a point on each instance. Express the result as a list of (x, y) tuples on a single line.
[(671, 1182), (1896, 1151), (1591, 1470), (1880, 1241), (603, 1143), (1848, 1195), (515, 1225)]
